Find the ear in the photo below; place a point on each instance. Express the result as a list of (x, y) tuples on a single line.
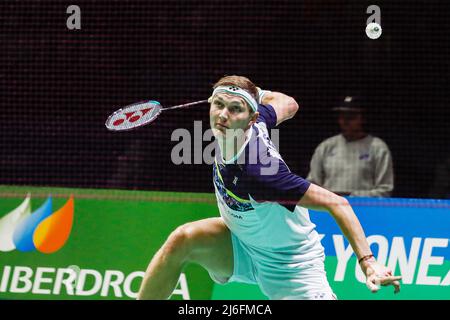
[(210, 99), (253, 119)]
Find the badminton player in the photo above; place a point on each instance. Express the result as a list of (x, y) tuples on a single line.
[(264, 235)]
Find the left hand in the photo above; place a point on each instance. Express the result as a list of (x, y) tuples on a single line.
[(377, 274)]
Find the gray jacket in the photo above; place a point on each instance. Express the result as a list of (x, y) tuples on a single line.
[(359, 168)]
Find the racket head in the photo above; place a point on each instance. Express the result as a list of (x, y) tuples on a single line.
[(133, 116)]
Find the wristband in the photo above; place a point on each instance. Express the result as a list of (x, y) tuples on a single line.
[(365, 258), (261, 94)]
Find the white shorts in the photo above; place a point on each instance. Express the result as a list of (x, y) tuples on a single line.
[(306, 281)]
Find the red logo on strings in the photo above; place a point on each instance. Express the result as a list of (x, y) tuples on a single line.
[(132, 116)]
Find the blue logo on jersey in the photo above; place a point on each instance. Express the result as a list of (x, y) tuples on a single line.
[(231, 202), (364, 156)]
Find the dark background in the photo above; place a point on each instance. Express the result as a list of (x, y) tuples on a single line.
[(58, 86)]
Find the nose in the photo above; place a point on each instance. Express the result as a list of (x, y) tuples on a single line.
[(223, 115)]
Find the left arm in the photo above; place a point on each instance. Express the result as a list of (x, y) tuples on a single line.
[(318, 198), (285, 106)]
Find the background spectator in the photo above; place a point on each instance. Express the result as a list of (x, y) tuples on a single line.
[(441, 183), (353, 162)]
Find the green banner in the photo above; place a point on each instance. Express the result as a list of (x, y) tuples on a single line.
[(112, 239)]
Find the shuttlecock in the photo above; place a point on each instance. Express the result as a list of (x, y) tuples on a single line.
[(373, 30)]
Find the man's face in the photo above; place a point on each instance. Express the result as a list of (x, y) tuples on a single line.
[(350, 122), (229, 112)]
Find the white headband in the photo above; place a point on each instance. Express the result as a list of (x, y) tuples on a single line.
[(238, 92)]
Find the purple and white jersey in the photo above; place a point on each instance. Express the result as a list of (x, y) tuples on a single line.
[(257, 196)]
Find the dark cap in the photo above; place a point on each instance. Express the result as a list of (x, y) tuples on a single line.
[(350, 104)]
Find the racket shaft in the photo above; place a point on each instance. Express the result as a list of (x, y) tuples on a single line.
[(185, 105)]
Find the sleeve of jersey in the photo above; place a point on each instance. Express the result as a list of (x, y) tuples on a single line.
[(280, 185), (267, 115)]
